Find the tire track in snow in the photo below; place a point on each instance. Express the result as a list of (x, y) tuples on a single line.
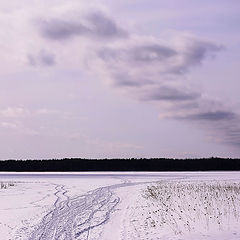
[(73, 219), (76, 218)]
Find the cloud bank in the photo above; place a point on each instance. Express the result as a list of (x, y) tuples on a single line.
[(147, 68)]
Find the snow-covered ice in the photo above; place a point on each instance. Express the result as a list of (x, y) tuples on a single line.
[(117, 206)]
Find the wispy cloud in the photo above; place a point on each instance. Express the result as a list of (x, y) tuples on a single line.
[(14, 112), (42, 58), (9, 125)]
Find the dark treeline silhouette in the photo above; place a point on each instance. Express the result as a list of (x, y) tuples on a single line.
[(143, 164)]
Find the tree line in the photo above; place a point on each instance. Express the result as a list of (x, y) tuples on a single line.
[(132, 164)]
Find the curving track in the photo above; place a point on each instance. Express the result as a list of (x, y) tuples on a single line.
[(74, 219)]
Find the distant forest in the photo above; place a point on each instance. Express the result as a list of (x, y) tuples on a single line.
[(143, 164)]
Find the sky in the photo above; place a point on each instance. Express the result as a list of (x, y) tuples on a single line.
[(106, 79)]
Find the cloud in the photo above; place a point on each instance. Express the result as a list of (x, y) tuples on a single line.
[(121, 79), (46, 111), (14, 112), (92, 25), (8, 125), (57, 29), (195, 52), (43, 58), (104, 27), (166, 93), (153, 71), (226, 129), (18, 128), (221, 123), (148, 68), (146, 53), (140, 61), (212, 116)]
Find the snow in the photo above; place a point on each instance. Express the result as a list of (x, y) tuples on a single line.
[(115, 206), (186, 210)]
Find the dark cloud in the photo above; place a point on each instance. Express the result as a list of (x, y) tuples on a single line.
[(95, 25), (230, 131), (152, 61), (212, 116), (154, 52), (105, 27), (43, 58), (232, 140), (145, 68), (196, 51), (229, 138), (125, 80), (146, 53), (58, 29), (222, 125), (148, 62), (170, 94)]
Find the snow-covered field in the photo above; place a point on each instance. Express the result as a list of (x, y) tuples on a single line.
[(91, 206)]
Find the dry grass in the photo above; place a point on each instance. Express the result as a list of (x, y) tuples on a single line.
[(5, 185), (192, 206)]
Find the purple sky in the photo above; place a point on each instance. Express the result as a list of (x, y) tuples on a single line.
[(119, 78)]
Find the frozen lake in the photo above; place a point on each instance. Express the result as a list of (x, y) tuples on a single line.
[(92, 205)]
